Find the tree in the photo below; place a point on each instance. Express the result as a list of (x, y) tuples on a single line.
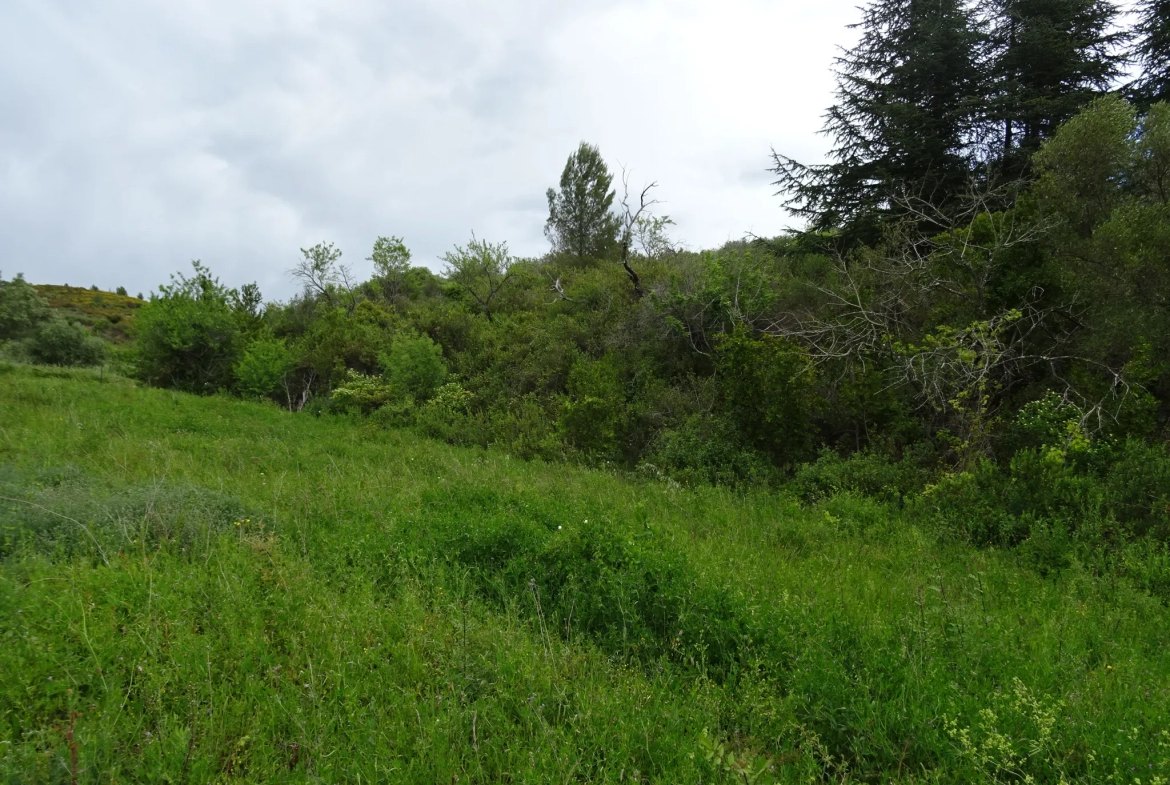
[(481, 269), (264, 368), (579, 220), (322, 274), (391, 260), (1153, 52), (22, 309), (907, 99), (638, 224), (1049, 58), (188, 335), (414, 367)]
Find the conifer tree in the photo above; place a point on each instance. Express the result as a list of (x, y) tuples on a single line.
[(1049, 58), (1153, 52), (580, 223), (907, 98)]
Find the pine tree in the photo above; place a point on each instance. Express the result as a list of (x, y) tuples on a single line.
[(1049, 59), (580, 223), (907, 98), (1153, 52)]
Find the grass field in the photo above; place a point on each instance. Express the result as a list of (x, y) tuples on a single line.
[(208, 590)]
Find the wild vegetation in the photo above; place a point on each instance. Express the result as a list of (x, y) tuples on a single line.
[(883, 499), (202, 589)]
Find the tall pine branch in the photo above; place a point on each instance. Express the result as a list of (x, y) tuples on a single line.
[(908, 96)]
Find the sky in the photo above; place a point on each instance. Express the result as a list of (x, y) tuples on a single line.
[(136, 136)]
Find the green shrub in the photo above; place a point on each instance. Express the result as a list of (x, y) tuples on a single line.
[(866, 473), (264, 367), (767, 387), (707, 449), (365, 393), (592, 416), (414, 367), (22, 309), (188, 336), (58, 342)]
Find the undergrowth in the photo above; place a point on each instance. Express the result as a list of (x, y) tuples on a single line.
[(204, 590)]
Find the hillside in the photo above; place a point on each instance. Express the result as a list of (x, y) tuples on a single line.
[(106, 313), (203, 589)]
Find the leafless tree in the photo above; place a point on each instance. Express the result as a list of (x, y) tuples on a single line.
[(629, 221)]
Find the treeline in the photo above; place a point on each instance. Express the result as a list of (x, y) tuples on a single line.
[(976, 321)]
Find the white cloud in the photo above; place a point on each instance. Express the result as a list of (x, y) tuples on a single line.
[(135, 136)]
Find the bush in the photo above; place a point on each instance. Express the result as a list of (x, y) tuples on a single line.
[(708, 449), (59, 342), (22, 309), (414, 366), (365, 393), (264, 367), (767, 386), (188, 336), (866, 473)]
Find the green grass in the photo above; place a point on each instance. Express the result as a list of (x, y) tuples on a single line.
[(204, 590)]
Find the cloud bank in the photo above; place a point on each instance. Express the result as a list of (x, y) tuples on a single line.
[(135, 136)]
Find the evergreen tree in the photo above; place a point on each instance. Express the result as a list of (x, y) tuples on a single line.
[(580, 223), (1153, 52), (1049, 59), (907, 97)]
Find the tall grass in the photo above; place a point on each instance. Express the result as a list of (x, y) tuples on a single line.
[(200, 589)]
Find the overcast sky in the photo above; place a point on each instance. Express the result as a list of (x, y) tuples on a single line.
[(136, 136)]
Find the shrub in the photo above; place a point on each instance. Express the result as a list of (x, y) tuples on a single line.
[(414, 366), (866, 473), (188, 336), (767, 386), (22, 309), (59, 342), (708, 449), (364, 393), (591, 418), (264, 367)]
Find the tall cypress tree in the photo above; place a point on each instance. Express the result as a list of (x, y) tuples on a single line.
[(907, 96), (580, 223), (1049, 59), (1153, 52)]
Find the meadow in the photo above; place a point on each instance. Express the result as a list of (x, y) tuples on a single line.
[(203, 589)]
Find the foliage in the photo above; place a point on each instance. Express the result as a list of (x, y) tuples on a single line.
[(188, 336), (22, 309), (580, 224), (366, 600), (414, 366), (779, 422), (907, 102), (264, 367), (1153, 52), (108, 314), (480, 269), (391, 260), (58, 342)]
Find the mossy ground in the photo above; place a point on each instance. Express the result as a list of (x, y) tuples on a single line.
[(204, 589)]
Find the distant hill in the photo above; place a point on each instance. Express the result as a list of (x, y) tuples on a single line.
[(107, 314)]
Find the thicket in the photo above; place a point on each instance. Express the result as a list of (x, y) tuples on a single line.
[(30, 330), (200, 588), (985, 258)]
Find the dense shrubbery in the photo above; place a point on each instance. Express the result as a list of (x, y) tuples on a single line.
[(37, 334), (1000, 369)]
